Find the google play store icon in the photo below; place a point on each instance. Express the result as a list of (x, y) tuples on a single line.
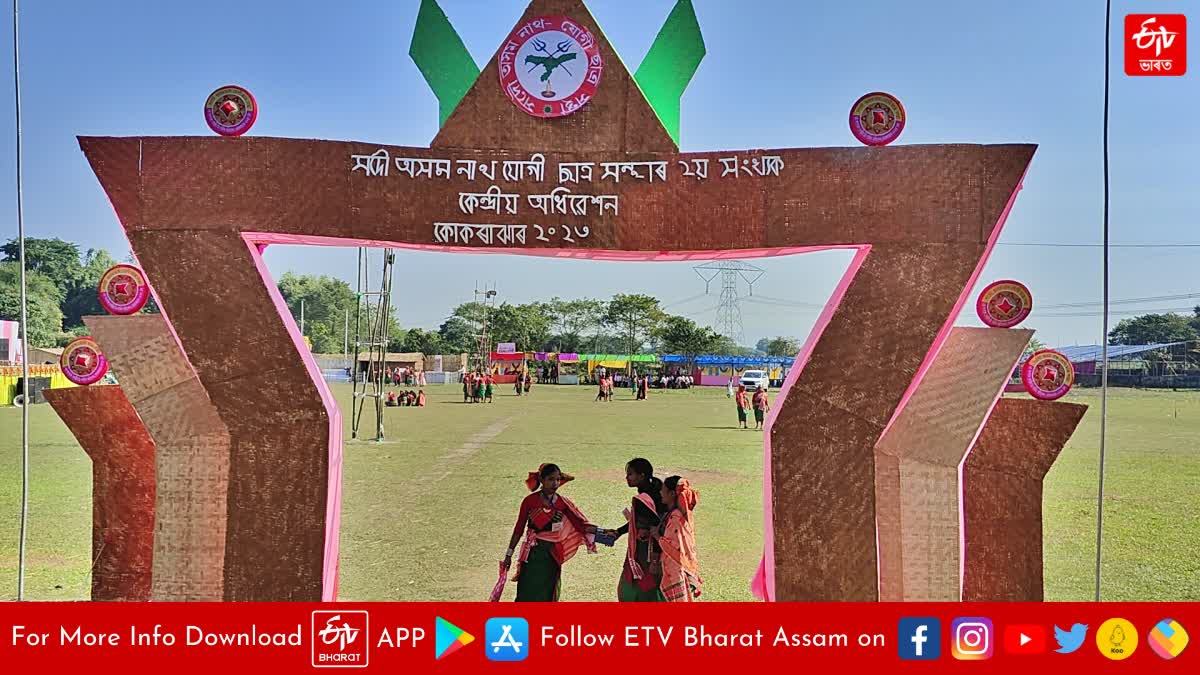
[(450, 638)]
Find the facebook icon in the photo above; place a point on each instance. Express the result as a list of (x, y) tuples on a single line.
[(919, 639)]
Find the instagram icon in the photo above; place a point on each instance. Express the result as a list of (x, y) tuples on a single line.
[(972, 638)]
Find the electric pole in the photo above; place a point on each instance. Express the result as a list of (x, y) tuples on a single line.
[(729, 311)]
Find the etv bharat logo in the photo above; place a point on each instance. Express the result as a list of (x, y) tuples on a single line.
[(339, 639), (1155, 44)]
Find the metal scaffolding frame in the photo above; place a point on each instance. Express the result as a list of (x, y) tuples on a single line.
[(371, 318), (483, 347)]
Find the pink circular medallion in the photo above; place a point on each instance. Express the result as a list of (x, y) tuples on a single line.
[(550, 66), (1047, 375), (1004, 304), (877, 118), (230, 110), (83, 362), (123, 290)]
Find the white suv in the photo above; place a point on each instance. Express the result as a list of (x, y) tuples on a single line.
[(752, 379)]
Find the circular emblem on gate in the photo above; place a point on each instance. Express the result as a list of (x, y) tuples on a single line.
[(230, 110), (1048, 375), (123, 290), (550, 66), (83, 362), (877, 118), (1004, 304)]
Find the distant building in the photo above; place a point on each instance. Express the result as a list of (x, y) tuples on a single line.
[(414, 361), (1087, 358), (1174, 365), (44, 355)]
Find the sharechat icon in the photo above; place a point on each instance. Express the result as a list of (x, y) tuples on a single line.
[(1070, 641), (1168, 639)]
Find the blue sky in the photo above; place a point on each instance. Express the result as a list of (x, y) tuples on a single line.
[(1016, 71)]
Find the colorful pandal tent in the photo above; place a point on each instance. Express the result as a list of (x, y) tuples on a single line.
[(497, 356), (736, 361), (10, 375), (561, 357), (615, 361), (716, 369), (568, 367), (505, 366)]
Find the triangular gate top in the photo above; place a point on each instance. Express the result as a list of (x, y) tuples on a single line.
[(618, 119)]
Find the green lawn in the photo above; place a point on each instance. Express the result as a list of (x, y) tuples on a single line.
[(427, 514)]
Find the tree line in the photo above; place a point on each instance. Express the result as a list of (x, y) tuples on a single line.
[(62, 287), (1149, 329), (623, 324), (62, 284)]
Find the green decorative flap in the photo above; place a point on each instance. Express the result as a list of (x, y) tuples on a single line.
[(442, 58), (671, 63)]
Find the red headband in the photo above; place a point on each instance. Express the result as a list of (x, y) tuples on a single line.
[(534, 479)]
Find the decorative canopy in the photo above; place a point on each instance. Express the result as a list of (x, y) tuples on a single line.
[(718, 360)]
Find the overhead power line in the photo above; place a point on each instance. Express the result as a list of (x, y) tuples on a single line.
[(684, 301), (702, 312), (1124, 312), (1128, 301), (794, 303), (1073, 245), (785, 305)]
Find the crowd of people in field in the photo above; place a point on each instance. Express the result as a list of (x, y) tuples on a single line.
[(479, 386), (404, 377), (676, 381), (405, 399), (398, 377)]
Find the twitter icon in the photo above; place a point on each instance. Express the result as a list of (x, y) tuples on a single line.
[(1070, 640)]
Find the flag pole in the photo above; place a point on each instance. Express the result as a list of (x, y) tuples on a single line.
[(24, 321), (1104, 338)]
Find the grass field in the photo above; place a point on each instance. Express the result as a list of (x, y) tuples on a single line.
[(427, 513)]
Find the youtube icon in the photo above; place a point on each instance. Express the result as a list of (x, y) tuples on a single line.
[(1024, 639)]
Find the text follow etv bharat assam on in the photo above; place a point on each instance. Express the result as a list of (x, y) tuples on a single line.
[(192, 636), (699, 636)]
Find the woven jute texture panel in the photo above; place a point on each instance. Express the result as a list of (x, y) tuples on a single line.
[(916, 463), (823, 449), (122, 453), (1002, 497), (192, 462)]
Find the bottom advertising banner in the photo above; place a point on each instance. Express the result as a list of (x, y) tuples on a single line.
[(479, 637)]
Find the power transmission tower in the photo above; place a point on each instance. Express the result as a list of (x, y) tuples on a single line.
[(729, 311), (371, 324), (484, 336)]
